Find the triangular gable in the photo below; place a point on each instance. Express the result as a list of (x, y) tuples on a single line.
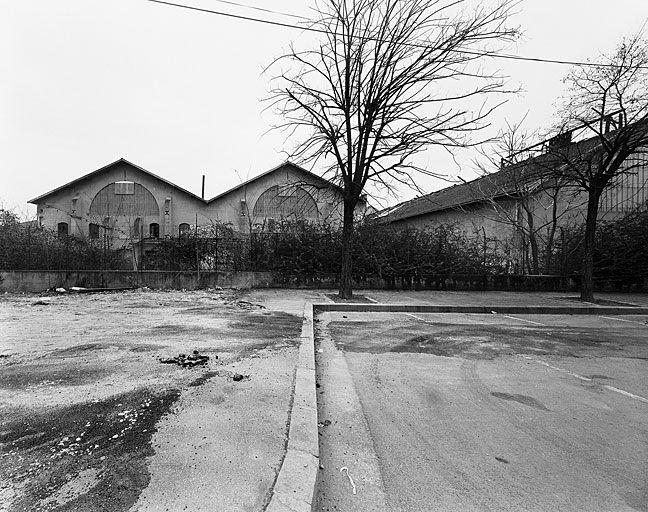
[(311, 175), (106, 167)]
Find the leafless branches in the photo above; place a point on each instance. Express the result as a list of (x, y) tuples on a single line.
[(609, 107), (387, 80)]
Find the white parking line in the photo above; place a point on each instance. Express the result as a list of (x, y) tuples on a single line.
[(417, 317), (523, 320), (581, 377), (623, 320)]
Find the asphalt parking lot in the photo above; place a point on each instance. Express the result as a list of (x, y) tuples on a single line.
[(423, 412)]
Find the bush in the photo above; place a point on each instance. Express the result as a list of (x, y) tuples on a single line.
[(25, 246), (621, 251), (291, 248)]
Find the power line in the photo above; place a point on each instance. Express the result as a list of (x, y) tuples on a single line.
[(416, 45), (247, 6)]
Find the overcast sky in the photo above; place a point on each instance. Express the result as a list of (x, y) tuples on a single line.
[(85, 82)]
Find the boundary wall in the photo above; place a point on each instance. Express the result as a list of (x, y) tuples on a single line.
[(42, 280)]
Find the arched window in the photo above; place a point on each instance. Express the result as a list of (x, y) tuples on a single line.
[(183, 229), (154, 230), (62, 229), (285, 202), (125, 199), (93, 231)]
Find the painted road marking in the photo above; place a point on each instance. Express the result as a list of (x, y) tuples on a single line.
[(507, 316), (623, 320), (418, 318), (523, 320), (582, 377)]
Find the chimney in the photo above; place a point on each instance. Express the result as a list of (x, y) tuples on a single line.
[(561, 140)]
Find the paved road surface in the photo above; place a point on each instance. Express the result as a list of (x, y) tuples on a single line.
[(483, 412)]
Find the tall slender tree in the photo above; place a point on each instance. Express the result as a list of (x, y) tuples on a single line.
[(608, 105), (387, 80)]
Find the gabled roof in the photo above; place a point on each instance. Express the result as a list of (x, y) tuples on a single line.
[(287, 163), (496, 185), (314, 177), (36, 200), (507, 182)]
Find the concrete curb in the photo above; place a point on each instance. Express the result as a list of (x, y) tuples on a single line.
[(294, 489), (520, 310)]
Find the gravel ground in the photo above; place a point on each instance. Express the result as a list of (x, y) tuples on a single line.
[(89, 417)]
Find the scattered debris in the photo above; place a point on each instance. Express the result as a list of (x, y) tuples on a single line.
[(500, 459), (185, 361), (239, 303), (40, 303), (60, 290), (342, 470), (80, 289), (325, 423), (238, 377)]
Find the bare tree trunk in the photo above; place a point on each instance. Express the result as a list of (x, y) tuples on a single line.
[(346, 287), (587, 272), (533, 242)]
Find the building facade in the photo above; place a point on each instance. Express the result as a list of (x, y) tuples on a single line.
[(127, 204), (521, 211)]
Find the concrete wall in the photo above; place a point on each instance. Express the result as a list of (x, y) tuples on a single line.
[(41, 280), (38, 281)]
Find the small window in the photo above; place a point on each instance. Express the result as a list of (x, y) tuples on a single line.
[(62, 229), (183, 229), (93, 231), (123, 188), (154, 230), (243, 208)]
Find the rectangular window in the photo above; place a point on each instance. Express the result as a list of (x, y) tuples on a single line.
[(124, 188), (62, 229), (93, 231)]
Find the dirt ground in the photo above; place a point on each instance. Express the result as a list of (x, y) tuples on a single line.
[(91, 420)]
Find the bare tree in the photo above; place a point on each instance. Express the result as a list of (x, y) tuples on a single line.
[(525, 190), (388, 79), (608, 104)]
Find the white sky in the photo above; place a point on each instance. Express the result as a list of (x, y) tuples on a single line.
[(85, 82)]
